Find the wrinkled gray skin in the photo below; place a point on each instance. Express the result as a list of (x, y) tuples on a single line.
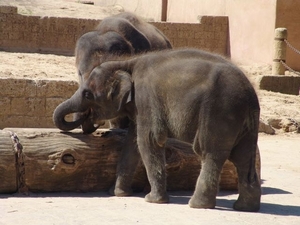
[(187, 94), (115, 36)]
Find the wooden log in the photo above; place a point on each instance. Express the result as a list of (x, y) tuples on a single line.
[(8, 172), (51, 161)]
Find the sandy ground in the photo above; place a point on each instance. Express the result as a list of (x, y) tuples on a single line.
[(280, 199), (280, 155), (62, 8)]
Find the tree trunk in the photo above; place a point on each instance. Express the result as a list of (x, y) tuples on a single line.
[(47, 160)]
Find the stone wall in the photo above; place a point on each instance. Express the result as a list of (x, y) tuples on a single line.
[(40, 34), (278, 83), (30, 103), (59, 35)]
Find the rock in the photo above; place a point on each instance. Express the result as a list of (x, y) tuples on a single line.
[(289, 125), (265, 128)]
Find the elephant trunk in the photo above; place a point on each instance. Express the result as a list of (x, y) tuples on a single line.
[(71, 105)]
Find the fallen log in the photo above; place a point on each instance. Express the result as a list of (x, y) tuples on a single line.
[(47, 160)]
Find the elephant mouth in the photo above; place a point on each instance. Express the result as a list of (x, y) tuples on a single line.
[(86, 117), (91, 121)]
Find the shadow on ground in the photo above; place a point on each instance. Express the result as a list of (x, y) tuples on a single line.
[(182, 198), (226, 204)]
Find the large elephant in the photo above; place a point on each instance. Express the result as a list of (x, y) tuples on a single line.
[(115, 36), (188, 94), (122, 34)]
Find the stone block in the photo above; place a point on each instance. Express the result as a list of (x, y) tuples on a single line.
[(3, 19), (4, 35), (12, 87), (51, 104), (180, 42), (15, 35), (33, 20), (28, 106), (280, 83), (61, 88), (5, 105), (8, 10), (185, 34), (41, 88), (197, 43), (48, 122)]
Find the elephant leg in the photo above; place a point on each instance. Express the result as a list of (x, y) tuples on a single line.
[(243, 157), (213, 152), (207, 183), (153, 156), (127, 164)]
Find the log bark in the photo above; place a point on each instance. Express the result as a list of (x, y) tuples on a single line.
[(8, 179), (47, 160)]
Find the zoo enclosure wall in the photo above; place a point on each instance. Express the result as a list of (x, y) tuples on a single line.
[(58, 35), (30, 103)]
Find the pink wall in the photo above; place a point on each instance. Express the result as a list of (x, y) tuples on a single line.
[(251, 24)]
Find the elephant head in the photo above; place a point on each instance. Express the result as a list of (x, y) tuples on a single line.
[(101, 97), (94, 48), (115, 36)]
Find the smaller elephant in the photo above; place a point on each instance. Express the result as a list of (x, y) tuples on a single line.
[(188, 94)]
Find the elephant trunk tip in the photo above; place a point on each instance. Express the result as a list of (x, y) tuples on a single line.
[(59, 119)]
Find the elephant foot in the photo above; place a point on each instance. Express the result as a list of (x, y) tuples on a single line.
[(156, 198), (202, 203), (249, 198), (120, 192), (248, 206)]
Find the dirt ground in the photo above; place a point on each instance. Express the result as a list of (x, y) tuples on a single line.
[(280, 154)]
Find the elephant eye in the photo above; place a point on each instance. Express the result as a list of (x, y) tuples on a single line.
[(88, 95)]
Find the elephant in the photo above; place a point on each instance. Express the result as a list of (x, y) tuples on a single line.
[(188, 94), (115, 36)]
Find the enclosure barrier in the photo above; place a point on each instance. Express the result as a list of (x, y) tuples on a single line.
[(281, 43)]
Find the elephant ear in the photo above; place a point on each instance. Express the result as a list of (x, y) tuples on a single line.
[(121, 89), (137, 39), (116, 44)]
